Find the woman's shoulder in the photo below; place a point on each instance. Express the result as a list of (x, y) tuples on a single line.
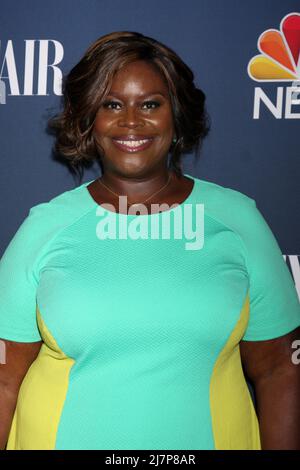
[(230, 207), (212, 192), (46, 219), (223, 202), (62, 208)]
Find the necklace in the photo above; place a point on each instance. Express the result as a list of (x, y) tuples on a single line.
[(136, 203)]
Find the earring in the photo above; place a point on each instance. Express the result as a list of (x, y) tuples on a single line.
[(174, 140)]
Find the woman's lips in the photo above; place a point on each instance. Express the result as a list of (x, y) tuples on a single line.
[(132, 146)]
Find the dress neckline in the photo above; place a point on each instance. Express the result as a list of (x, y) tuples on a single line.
[(177, 206)]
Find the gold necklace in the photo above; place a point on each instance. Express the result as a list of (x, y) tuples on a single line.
[(136, 203)]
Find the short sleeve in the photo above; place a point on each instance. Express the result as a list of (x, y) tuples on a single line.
[(274, 302), (18, 286)]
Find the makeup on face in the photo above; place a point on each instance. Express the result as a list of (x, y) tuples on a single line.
[(135, 118)]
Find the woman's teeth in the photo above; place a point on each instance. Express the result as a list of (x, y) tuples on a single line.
[(132, 143)]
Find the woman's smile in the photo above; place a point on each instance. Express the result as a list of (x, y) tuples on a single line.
[(133, 144)]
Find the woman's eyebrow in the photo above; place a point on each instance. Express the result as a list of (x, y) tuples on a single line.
[(143, 95)]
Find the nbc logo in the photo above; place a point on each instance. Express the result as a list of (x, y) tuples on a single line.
[(279, 61)]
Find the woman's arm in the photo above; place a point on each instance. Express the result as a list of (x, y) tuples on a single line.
[(276, 380), (18, 357)]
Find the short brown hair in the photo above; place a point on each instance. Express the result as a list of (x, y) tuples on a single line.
[(89, 81)]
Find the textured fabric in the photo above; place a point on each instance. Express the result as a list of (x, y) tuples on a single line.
[(141, 335)]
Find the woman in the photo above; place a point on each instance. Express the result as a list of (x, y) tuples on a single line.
[(131, 330)]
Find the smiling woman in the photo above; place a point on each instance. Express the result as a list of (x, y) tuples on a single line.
[(166, 92), (138, 339)]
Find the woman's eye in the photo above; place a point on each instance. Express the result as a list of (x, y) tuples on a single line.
[(111, 104), (151, 104), (115, 105)]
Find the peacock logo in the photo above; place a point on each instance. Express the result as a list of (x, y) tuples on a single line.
[(279, 60)]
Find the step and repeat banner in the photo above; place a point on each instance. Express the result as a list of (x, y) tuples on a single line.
[(244, 54)]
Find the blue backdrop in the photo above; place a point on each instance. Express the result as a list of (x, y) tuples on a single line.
[(255, 154)]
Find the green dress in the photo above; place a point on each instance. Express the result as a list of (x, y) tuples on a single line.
[(141, 318)]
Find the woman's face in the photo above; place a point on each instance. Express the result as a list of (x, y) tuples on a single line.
[(134, 125)]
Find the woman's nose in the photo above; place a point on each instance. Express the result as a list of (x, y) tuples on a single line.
[(130, 118)]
